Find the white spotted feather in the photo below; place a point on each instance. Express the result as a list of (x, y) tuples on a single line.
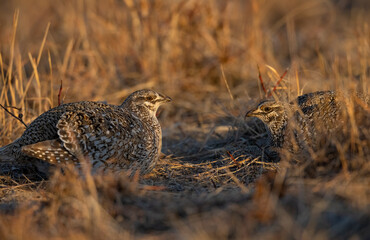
[(125, 137)]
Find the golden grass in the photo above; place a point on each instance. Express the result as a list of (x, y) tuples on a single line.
[(213, 183)]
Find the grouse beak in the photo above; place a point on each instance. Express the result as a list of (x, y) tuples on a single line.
[(251, 113), (167, 99)]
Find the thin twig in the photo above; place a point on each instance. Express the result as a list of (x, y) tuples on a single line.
[(213, 183), (60, 91), (232, 158), (153, 188), (17, 108), (261, 80), (19, 118), (281, 78)]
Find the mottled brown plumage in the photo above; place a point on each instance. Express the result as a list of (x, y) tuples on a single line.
[(307, 116), (125, 137)]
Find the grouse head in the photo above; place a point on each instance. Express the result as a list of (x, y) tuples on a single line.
[(268, 111), (145, 99), (273, 114)]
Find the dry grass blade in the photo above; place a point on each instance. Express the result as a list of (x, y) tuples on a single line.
[(226, 84)]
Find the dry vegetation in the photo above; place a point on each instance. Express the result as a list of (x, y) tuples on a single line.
[(212, 182)]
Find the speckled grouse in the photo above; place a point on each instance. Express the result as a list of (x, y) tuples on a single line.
[(307, 115), (125, 137)]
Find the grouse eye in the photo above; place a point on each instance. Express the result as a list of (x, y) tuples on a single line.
[(266, 109), (150, 98)]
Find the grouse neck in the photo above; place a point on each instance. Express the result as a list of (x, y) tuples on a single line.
[(143, 113), (278, 129), (278, 133)]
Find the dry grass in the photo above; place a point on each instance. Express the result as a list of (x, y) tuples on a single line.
[(213, 182)]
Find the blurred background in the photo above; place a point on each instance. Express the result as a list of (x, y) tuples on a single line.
[(204, 54)]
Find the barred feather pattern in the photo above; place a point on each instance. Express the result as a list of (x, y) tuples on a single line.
[(118, 137), (308, 114)]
